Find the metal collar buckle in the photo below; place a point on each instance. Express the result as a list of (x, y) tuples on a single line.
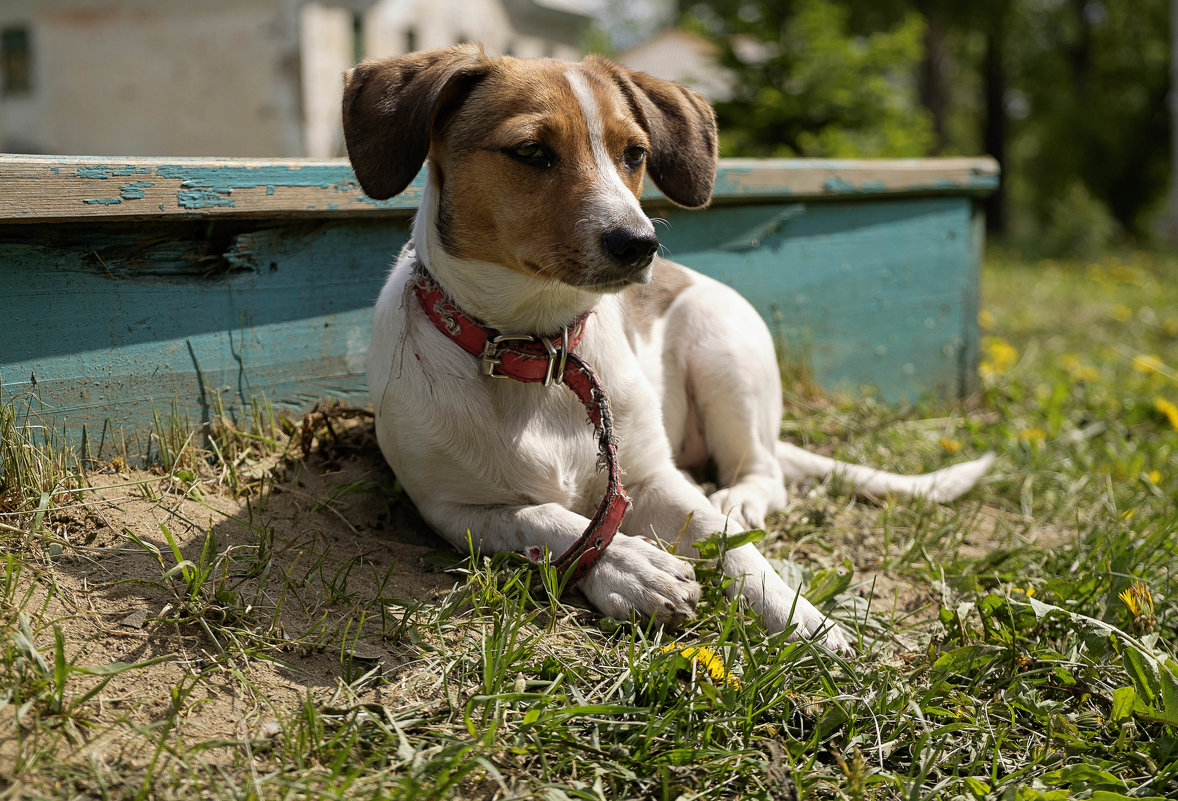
[(557, 356)]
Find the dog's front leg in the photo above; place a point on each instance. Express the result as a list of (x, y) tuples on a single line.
[(669, 503), (633, 575)]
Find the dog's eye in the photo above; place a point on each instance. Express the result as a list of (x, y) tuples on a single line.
[(532, 154), (634, 156)]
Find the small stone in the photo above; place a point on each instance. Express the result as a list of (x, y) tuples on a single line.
[(135, 620)]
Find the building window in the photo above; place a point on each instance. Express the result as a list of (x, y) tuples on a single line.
[(15, 61)]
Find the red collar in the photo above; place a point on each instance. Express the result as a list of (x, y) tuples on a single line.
[(524, 357), (538, 359)]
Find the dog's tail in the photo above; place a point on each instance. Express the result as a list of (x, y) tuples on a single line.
[(941, 486)]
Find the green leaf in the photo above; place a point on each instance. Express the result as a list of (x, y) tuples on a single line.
[(719, 542), (1124, 699), (967, 659), (977, 787), (1144, 673), (828, 583), (1169, 684), (1082, 777), (61, 669), (115, 668)]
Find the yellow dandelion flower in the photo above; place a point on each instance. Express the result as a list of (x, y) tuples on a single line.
[(1029, 591), (1033, 435), (1000, 355), (985, 319), (1168, 409), (1150, 363), (705, 659), (1121, 313), (1076, 369), (1139, 602), (950, 445), (1154, 476)]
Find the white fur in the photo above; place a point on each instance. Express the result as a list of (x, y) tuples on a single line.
[(515, 465)]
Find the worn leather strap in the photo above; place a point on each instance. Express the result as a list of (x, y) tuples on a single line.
[(534, 359)]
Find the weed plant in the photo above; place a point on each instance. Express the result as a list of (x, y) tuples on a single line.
[(1018, 644)]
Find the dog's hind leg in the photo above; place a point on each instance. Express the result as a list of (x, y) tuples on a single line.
[(946, 484), (731, 378)]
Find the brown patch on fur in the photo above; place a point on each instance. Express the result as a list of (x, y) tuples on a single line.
[(682, 128), (647, 303), (391, 107)]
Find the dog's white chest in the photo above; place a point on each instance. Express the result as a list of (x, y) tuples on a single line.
[(547, 444)]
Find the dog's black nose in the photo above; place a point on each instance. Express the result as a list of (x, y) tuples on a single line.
[(630, 248)]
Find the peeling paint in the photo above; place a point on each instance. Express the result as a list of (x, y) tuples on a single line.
[(208, 187), (102, 201), (134, 191), (104, 172), (204, 198)]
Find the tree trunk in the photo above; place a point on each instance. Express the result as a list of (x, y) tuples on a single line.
[(932, 79), (1172, 223), (994, 133)]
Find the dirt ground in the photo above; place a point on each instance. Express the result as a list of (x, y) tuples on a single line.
[(323, 540), (326, 536)]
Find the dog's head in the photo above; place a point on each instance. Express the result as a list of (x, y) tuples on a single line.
[(538, 163)]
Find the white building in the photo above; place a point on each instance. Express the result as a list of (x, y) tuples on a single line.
[(678, 55), (228, 77)]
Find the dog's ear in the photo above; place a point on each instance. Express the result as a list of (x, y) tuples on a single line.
[(682, 130), (392, 105)]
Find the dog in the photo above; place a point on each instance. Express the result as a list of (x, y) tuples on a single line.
[(530, 230)]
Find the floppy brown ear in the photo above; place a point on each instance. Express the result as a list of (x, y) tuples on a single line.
[(391, 106), (682, 130)]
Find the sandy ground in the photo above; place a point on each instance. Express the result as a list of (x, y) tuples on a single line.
[(327, 536)]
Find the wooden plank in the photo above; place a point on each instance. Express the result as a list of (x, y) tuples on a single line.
[(868, 293), (847, 178), (868, 271), (49, 188), (110, 325)]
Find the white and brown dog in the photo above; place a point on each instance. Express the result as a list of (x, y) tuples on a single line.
[(530, 225)]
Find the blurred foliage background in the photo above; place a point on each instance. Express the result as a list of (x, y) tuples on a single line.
[(1069, 95)]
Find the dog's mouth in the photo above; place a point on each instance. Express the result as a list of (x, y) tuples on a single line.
[(604, 278), (641, 276)]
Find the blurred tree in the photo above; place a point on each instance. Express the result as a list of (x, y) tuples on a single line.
[(808, 85), (1069, 95), (1092, 78)]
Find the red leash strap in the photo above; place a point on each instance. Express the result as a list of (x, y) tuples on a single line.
[(533, 359)]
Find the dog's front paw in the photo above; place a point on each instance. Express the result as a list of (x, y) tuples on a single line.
[(781, 608), (636, 576)]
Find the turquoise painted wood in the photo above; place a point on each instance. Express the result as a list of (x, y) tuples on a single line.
[(134, 288)]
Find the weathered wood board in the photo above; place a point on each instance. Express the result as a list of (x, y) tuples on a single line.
[(130, 288)]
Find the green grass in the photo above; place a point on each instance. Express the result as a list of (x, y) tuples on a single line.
[(997, 659)]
